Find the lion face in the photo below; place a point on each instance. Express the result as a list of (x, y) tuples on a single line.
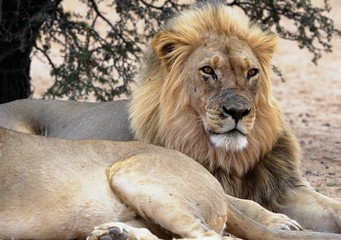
[(204, 89), (223, 87)]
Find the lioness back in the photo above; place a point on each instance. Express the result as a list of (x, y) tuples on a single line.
[(68, 119)]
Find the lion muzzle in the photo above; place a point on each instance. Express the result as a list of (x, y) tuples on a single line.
[(226, 122), (233, 105)]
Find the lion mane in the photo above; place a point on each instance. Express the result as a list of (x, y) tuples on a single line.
[(162, 112)]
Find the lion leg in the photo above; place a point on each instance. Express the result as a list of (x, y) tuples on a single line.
[(244, 227), (263, 216), (184, 207), (313, 210)]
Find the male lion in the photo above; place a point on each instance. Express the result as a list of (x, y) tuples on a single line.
[(205, 91), (59, 189)]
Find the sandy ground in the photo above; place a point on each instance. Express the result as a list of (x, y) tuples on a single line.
[(311, 100)]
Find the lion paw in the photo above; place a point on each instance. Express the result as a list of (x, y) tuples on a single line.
[(282, 222), (120, 231)]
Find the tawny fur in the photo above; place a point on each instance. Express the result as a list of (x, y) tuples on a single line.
[(67, 119)]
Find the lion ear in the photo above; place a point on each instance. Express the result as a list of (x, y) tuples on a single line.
[(264, 46), (164, 45)]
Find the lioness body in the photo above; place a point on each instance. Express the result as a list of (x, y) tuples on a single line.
[(68, 119), (50, 189)]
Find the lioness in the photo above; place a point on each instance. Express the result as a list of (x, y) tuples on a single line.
[(59, 189)]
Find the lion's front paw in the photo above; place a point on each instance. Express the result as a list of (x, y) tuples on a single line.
[(120, 231), (110, 233), (282, 222)]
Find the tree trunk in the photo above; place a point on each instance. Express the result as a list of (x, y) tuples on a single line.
[(14, 72), (18, 33)]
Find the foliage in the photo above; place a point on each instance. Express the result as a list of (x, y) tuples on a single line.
[(103, 65), (95, 63), (310, 27)]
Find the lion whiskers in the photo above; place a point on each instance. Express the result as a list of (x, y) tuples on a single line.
[(230, 143)]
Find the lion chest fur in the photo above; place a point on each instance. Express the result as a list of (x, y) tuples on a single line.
[(205, 91)]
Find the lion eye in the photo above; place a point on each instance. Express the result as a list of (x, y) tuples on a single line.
[(252, 72), (207, 70)]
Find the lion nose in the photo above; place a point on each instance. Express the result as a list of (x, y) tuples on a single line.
[(236, 114)]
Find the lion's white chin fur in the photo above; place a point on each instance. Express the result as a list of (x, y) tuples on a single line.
[(230, 143)]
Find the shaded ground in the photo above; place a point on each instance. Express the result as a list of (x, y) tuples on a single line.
[(311, 100)]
